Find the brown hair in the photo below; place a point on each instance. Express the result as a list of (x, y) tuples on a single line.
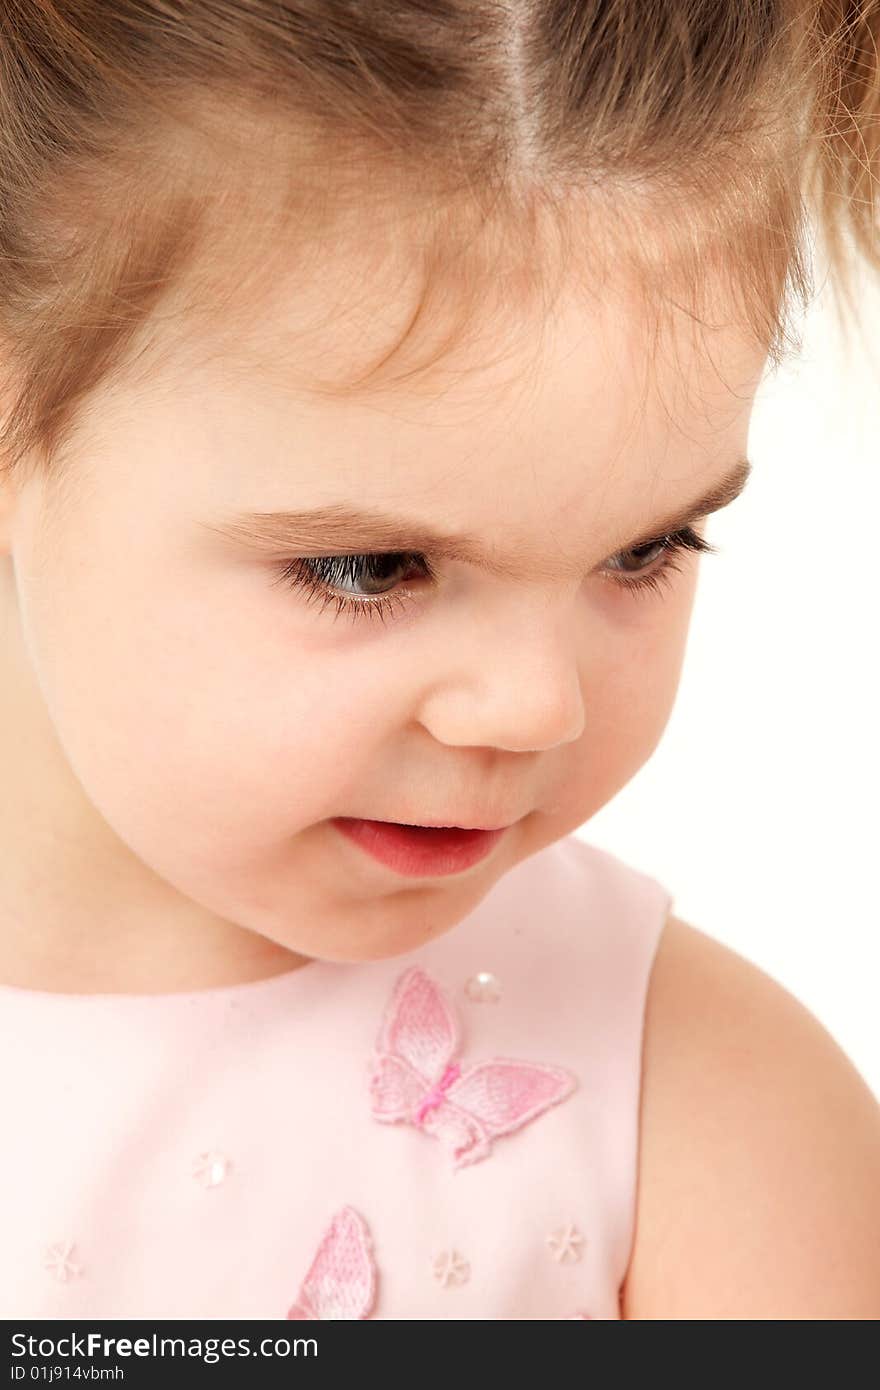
[(162, 154)]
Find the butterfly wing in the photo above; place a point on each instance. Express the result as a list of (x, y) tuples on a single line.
[(417, 1037), (341, 1282), (503, 1094), (395, 1088), (419, 1025), (302, 1311)]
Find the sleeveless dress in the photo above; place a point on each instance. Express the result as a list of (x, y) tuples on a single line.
[(447, 1133)]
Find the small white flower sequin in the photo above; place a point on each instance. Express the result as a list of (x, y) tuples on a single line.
[(483, 987), (565, 1244), (211, 1168), (451, 1268), (58, 1261)]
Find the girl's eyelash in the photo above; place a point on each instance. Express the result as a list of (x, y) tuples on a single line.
[(321, 576)]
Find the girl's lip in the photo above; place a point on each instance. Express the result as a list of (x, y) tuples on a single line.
[(420, 851)]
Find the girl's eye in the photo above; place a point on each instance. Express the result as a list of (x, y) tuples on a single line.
[(323, 578)]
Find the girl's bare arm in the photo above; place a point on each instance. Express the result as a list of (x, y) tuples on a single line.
[(759, 1191)]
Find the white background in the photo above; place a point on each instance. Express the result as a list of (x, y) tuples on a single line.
[(758, 809)]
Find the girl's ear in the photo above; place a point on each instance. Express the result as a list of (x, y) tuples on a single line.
[(5, 511), (12, 475), (9, 491)]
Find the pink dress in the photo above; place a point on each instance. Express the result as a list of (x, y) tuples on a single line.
[(449, 1133)]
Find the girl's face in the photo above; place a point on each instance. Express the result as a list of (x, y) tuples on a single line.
[(182, 725)]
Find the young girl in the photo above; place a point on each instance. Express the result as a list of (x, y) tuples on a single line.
[(369, 373)]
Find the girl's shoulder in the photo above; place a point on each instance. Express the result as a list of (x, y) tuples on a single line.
[(759, 1151)]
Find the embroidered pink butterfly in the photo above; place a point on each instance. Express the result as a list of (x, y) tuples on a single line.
[(415, 1079), (341, 1282)]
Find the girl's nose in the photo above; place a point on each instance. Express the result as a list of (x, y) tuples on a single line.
[(514, 685)]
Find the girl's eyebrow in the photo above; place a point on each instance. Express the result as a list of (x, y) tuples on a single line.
[(348, 530)]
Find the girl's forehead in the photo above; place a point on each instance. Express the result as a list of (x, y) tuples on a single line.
[(351, 348), (556, 442), (580, 404), (562, 441), (389, 310)]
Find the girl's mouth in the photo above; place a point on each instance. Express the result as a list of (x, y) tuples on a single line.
[(420, 851)]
